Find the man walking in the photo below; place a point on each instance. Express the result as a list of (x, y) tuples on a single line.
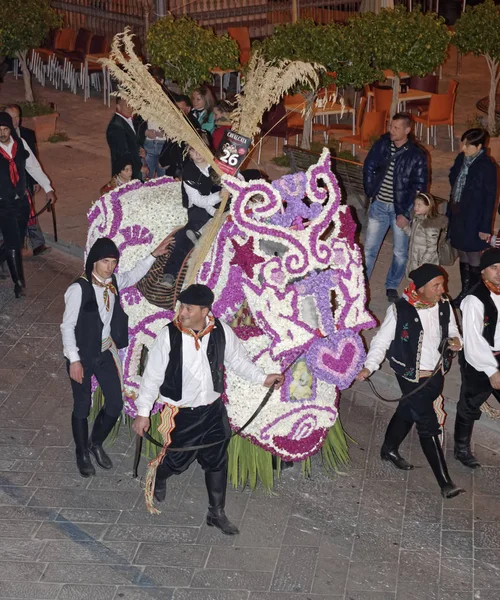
[(394, 171), (481, 358), (413, 331), (123, 141), (185, 372), (35, 234)]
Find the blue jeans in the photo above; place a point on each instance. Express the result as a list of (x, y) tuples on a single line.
[(153, 150), (381, 216)]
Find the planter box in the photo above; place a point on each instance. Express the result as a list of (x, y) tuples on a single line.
[(44, 126)]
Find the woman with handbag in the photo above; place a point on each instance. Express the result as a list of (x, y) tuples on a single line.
[(473, 180), (425, 230)]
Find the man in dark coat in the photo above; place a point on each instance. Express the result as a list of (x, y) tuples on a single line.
[(473, 181), (394, 171), (123, 141), (35, 234)]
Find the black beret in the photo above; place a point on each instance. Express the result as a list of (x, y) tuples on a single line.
[(102, 248), (6, 120), (424, 274), (197, 294), (489, 257)]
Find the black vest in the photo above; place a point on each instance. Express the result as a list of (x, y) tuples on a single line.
[(172, 384), (7, 189), (88, 330), (406, 347), (490, 311), (192, 176)]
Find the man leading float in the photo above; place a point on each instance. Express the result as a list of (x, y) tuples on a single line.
[(185, 372), (412, 333)]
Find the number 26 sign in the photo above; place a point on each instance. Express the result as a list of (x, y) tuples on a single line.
[(232, 151)]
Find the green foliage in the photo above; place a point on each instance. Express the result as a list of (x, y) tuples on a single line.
[(187, 52), (24, 24), (60, 136), (36, 109), (478, 30), (281, 161), (413, 42)]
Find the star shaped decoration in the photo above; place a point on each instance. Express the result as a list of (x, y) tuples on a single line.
[(245, 257), (347, 228)]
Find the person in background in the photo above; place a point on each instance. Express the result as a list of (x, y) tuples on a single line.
[(222, 111), (203, 103), (473, 180), (123, 176), (424, 230)]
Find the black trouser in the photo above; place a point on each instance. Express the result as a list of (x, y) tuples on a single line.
[(104, 368), (197, 218), (193, 427), (474, 391), (14, 216), (419, 408)]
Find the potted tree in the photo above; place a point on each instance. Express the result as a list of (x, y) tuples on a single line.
[(188, 53), (478, 31), (410, 42)]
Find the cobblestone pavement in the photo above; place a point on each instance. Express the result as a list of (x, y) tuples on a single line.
[(371, 533)]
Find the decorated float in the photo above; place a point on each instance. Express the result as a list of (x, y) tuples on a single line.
[(286, 273)]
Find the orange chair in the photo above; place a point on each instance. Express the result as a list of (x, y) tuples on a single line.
[(382, 100), (372, 126), (345, 127), (440, 112), (241, 36)]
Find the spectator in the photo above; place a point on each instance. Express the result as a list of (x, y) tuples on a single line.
[(123, 176), (203, 103), (123, 141), (222, 111), (35, 234), (152, 137), (394, 171), (473, 180)]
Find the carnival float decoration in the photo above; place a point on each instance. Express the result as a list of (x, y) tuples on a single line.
[(287, 274)]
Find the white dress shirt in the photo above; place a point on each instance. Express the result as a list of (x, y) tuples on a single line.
[(128, 120), (154, 125), (73, 300), (478, 352), (429, 318), (197, 383), (197, 199), (32, 165)]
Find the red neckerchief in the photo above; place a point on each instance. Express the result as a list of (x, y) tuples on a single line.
[(14, 175), (494, 289), (108, 287), (414, 299), (197, 336)]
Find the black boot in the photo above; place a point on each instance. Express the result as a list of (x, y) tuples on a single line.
[(16, 271), (103, 424), (396, 432), (463, 435), (3, 261), (81, 436), (216, 482), (163, 472), (434, 454), (466, 283)]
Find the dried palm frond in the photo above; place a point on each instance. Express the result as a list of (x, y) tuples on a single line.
[(142, 92), (265, 84)]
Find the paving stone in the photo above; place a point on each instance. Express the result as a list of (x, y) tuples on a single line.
[(370, 596), (81, 515), (246, 559), (419, 566), (18, 529), (64, 498), (93, 552), (457, 596), (166, 576), (456, 574), (263, 530), (87, 592), (294, 570), (487, 535), (14, 478), (29, 590), (372, 576), (144, 593), (232, 579), (145, 533), (21, 571), (27, 513), (91, 574), (457, 519), (421, 535), (486, 571), (373, 543), (486, 508), (190, 594), (180, 519), (487, 480), (59, 480), (302, 532), (175, 555), (422, 590), (20, 452), (278, 596), (423, 506), (331, 573), (57, 530), (457, 544)]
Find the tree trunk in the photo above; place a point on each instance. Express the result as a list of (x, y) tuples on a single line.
[(308, 119), (395, 95), (28, 90), (493, 65)]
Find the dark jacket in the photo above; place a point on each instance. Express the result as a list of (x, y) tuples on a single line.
[(474, 213), (123, 144), (410, 172), (29, 137)]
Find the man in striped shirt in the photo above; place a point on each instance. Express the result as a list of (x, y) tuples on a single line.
[(394, 171)]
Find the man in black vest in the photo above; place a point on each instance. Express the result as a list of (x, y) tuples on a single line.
[(481, 357), (185, 371), (412, 333), (16, 162), (94, 327), (123, 141)]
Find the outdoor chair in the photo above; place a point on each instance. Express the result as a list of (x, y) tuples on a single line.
[(428, 83), (91, 69), (382, 100), (372, 127), (274, 123), (440, 112), (341, 127)]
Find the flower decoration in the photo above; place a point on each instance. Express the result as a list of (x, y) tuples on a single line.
[(245, 257)]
